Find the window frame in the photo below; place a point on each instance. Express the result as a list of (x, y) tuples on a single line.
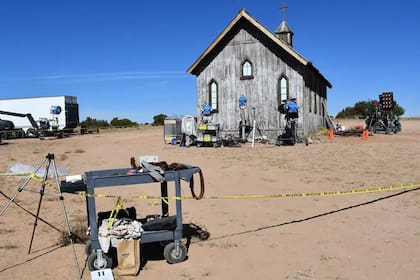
[(214, 105), (280, 88), (246, 76)]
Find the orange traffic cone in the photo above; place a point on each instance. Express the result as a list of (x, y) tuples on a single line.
[(330, 134), (364, 134)]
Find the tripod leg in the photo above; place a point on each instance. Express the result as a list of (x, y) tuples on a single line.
[(41, 195), (66, 220), (30, 213), (20, 189)]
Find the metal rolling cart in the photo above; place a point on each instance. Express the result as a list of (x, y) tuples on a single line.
[(174, 252), (208, 135)]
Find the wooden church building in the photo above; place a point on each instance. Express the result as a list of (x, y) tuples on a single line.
[(249, 60)]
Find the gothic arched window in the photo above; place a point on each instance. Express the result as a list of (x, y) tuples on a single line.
[(246, 70), (214, 96), (283, 91)]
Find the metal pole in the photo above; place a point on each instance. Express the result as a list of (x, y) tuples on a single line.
[(243, 129), (165, 201), (253, 127), (253, 134), (243, 123)]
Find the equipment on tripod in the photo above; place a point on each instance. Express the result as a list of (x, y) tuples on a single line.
[(206, 113), (49, 161), (382, 119), (244, 126), (289, 135), (255, 128)]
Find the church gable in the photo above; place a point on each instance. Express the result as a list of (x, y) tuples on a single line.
[(242, 21)]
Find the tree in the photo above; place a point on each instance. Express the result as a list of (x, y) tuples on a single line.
[(398, 110), (159, 119), (362, 109), (94, 123), (123, 122)]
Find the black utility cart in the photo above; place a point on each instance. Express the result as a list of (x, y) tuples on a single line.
[(174, 251)]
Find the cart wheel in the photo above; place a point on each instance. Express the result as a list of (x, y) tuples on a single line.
[(94, 264), (88, 248), (172, 256)]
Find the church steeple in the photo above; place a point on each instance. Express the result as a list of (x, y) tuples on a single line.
[(283, 31)]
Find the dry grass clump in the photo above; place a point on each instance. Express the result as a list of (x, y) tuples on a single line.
[(78, 233)]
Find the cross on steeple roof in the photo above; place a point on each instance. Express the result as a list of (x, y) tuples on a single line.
[(283, 31), (283, 11)]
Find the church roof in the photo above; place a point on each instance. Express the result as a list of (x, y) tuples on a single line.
[(244, 15)]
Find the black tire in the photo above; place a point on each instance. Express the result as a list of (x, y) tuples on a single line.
[(94, 265), (170, 254)]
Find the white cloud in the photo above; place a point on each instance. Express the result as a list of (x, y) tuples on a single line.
[(107, 76)]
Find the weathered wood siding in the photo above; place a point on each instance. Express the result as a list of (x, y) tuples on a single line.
[(262, 90)]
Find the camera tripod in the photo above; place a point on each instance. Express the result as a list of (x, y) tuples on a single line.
[(289, 135), (49, 162)]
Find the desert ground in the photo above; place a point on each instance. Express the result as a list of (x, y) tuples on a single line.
[(356, 236)]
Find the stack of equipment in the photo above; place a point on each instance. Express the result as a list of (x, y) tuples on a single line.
[(383, 119)]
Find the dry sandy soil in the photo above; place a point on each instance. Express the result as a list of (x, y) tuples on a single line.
[(359, 236)]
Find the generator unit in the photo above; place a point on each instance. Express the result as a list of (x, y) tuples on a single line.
[(208, 135)]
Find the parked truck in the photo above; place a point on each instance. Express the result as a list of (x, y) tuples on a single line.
[(41, 114), (42, 127), (8, 130)]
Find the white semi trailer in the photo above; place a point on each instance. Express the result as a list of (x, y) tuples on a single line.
[(62, 112)]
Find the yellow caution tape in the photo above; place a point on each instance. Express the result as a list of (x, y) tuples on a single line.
[(289, 195), (156, 199), (32, 175), (113, 216), (15, 175)]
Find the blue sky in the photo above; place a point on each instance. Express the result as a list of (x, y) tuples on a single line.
[(128, 58)]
